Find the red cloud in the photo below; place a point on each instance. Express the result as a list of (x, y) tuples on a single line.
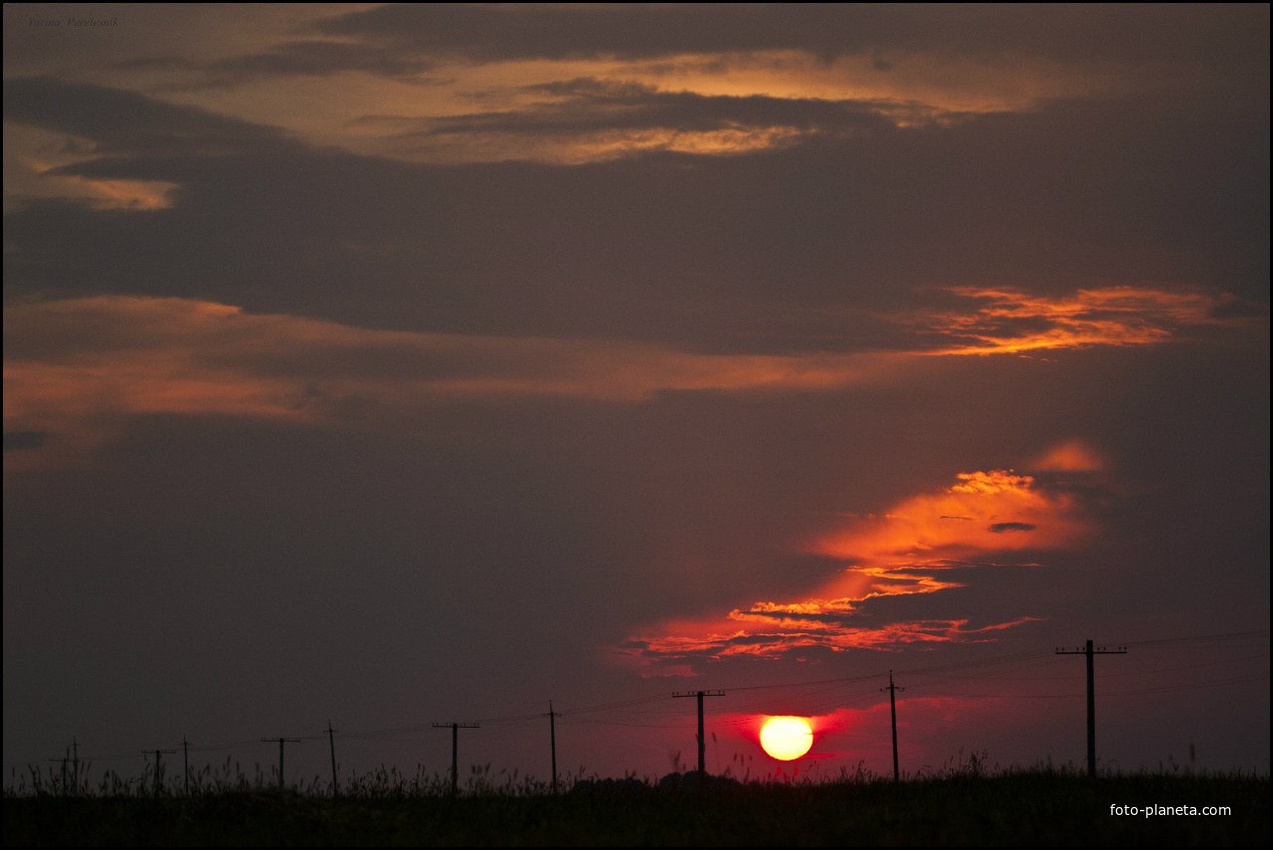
[(904, 552)]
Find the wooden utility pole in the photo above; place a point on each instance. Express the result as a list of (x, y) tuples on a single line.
[(702, 743), (281, 741), (455, 750), (66, 758), (331, 743), (158, 768), (1091, 651), (185, 750), (892, 704), (552, 740)]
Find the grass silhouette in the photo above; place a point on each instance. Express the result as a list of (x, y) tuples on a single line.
[(963, 802)]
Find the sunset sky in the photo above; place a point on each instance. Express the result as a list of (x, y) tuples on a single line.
[(401, 365)]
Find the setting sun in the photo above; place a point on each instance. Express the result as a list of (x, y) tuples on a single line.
[(786, 738)]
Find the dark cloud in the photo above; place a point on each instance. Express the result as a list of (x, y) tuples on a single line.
[(1074, 33), (403, 42), (1003, 527), (589, 106), (317, 58), (800, 248), (17, 441), (127, 123)]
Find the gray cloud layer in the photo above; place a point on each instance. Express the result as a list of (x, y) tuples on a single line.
[(1075, 33), (766, 252)]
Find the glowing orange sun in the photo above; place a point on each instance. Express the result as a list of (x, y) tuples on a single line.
[(786, 738)]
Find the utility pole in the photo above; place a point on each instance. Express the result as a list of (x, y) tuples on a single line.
[(702, 744), (455, 750), (552, 740), (185, 749), (158, 768), (281, 741), (892, 704), (1091, 651), (331, 742), (66, 758)]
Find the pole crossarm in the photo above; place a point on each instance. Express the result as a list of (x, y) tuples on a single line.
[(702, 743), (1097, 650), (158, 772), (1090, 650), (455, 750)]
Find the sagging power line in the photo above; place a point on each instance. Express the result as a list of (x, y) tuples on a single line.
[(71, 762)]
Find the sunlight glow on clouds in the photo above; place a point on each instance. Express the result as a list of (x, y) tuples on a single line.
[(122, 355), (927, 523), (903, 552), (72, 363), (35, 164), (486, 63), (1013, 321), (1070, 456)]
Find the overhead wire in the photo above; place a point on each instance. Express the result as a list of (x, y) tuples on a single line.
[(833, 698)]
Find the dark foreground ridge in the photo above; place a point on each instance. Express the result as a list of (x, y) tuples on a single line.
[(1028, 809)]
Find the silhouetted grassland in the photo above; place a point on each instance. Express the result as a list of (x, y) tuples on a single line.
[(1043, 807)]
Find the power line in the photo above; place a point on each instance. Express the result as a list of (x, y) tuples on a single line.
[(836, 695), (1221, 636)]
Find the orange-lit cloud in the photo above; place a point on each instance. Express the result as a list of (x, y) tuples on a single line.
[(80, 366), (915, 548), (36, 165), (107, 194), (1069, 456), (317, 85), (966, 518), (593, 118), (1014, 322), (783, 638)]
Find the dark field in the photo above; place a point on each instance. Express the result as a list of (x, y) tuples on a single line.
[(1027, 808)]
